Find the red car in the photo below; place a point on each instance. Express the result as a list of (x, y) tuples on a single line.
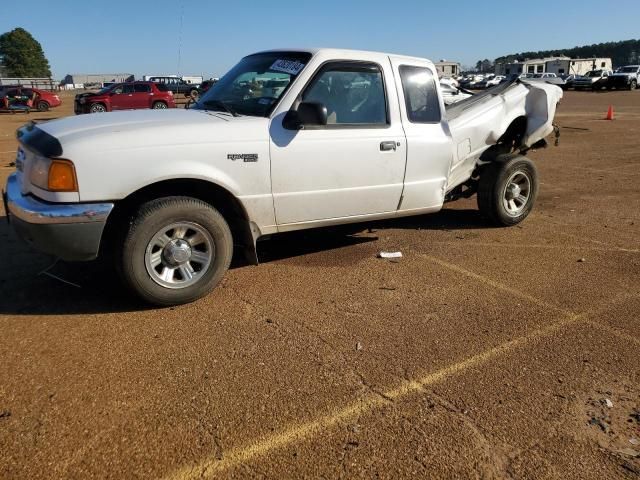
[(125, 96), (40, 99)]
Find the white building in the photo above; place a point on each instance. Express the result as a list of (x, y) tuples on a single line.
[(536, 65), (557, 65), (447, 69), (577, 66), (79, 80)]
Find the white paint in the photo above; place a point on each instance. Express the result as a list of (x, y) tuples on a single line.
[(306, 178)]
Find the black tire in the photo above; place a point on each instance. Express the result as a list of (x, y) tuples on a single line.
[(194, 93), (42, 106), (97, 108), (133, 259), (495, 187), (159, 106), (633, 84)]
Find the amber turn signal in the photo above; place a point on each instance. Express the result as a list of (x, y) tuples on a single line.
[(62, 176)]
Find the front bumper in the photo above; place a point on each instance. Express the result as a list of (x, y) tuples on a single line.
[(70, 231)]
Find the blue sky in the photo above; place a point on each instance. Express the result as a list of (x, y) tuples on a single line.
[(143, 37)]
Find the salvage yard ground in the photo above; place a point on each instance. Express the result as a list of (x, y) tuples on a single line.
[(482, 353)]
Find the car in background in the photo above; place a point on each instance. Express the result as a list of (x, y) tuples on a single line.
[(482, 84), (495, 80), (125, 96), (206, 85), (593, 80), (551, 78), (626, 77), (42, 100), (450, 81), (178, 86), (568, 79), (471, 81), (451, 94)]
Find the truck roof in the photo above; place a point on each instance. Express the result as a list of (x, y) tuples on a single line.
[(338, 52)]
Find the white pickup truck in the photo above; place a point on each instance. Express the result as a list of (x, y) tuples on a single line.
[(351, 136)]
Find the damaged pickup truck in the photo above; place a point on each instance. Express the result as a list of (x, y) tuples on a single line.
[(286, 140)]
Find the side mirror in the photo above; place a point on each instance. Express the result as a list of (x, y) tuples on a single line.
[(307, 113)]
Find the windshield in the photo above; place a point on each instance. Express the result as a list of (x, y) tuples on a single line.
[(595, 73), (107, 89), (254, 86), (628, 70)]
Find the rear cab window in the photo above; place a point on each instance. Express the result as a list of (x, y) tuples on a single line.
[(420, 94)]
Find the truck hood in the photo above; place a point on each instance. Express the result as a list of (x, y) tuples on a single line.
[(150, 128)]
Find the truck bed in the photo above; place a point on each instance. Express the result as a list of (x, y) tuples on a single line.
[(478, 122)]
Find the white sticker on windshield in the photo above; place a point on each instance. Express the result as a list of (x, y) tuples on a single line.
[(292, 67)]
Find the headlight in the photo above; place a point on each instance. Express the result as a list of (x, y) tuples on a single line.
[(54, 175)]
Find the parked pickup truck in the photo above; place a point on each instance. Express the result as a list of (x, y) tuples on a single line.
[(626, 77), (593, 80), (352, 137)]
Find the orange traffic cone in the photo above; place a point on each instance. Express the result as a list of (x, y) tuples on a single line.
[(609, 113)]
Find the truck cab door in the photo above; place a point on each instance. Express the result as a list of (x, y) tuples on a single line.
[(429, 143), (354, 165)]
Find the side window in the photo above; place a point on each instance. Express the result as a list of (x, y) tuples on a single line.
[(117, 90), (127, 88), (352, 92), (142, 88), (420, 94)]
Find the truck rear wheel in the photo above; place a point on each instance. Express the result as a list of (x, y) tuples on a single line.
[(507, 189), (176, 250)]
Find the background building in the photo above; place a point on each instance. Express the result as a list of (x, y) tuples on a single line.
[(448, 69), (557, 65), (577, 66), (79, 80), (536, 65)]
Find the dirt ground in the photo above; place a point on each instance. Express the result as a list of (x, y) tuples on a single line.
[(482, 353)]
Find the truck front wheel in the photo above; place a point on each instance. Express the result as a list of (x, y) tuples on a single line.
[(176, 250), (507, 189)]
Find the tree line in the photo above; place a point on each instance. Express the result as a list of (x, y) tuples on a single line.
[(621, 53)]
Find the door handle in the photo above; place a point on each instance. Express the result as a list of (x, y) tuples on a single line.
[(387, 146)]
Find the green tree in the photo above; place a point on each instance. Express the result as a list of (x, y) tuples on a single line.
[(22, 55)]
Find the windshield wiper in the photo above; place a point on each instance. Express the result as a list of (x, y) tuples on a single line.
[(222, 104)]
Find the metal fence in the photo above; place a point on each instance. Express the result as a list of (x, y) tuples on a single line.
[(41, 83)]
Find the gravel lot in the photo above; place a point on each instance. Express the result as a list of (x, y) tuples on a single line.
[(482, 353)]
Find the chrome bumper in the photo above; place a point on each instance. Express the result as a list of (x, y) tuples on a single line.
[(32, 210), (71, 231)]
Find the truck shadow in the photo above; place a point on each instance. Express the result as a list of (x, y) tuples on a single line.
[(34, 284)]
